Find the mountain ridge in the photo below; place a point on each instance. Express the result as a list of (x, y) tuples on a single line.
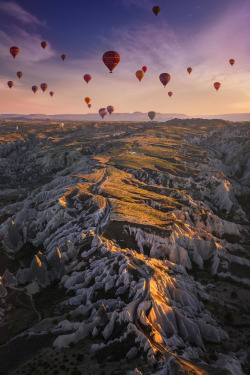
[(125, 116)]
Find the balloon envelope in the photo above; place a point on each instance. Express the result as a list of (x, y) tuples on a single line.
[(189, 70), (170, 93), (111, 59), (151, 115), (19, 74), (144, 69), (156, 10), (164, 78), (34, 89), (232, 62), (87, 78), (217, 85), (89, 105), (51, 93), (103, 112), (44, 86), (110, 109), (87, 100), (139, 74), (63, 57), (44, 44), (10, 84), (14, 51)]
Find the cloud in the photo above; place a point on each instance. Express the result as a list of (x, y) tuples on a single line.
[(16, 11), (161, 47), (158, 46), (29, 44)]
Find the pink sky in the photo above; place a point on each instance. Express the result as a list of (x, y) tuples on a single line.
[(208, 53)]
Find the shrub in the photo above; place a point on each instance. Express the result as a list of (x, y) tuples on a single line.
[(234, 294), (79, 357)]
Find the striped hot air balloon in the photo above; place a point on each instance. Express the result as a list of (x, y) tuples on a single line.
[(165, 78), (10, 84), (44, 86), (111, 59), (217, 86), (14, 51), (139, 74)]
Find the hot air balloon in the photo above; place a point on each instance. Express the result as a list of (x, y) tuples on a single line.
[(51, 93), (139, 74), (19, 74), (189, 70), (110, 109), (10, 84), (63, 57), (170, 93), (44, 86), (217, 85), (156, 10), (87, 100), (164, 78), (44, 44), (89, 105), (103, 112), (87, 78), (34, 89), (144, 69), (14, 51), (111, 59), (232, 62), (151, 115)]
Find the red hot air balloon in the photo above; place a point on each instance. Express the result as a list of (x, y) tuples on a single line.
[(103, 112), (89, 105), (44, 44), (144, 69), (14, 51), (156, 10), (164, 78), (19, 74), (34, 89), (217, 85), (44, 86), (189, 70), (111, 59), (63, 57), (139, 74), (87, 100), (51, 93), (110, 109), (10, 84), (231, 62), (170, 93), (87, 78)]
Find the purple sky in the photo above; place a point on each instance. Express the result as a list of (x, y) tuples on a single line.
[(202, 34)]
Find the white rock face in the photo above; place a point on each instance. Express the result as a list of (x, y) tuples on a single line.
[(230, 363), (141, 294), (132, 353), (3, 290), (8, 279)]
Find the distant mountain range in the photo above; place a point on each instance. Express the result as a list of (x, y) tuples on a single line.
[(135, 116)]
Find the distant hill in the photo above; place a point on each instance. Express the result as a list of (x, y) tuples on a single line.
[(230, 117), (135, 116)]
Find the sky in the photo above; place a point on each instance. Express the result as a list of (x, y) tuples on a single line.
[(203, 34)]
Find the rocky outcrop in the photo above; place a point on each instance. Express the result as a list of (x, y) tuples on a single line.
[(142, 291)]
